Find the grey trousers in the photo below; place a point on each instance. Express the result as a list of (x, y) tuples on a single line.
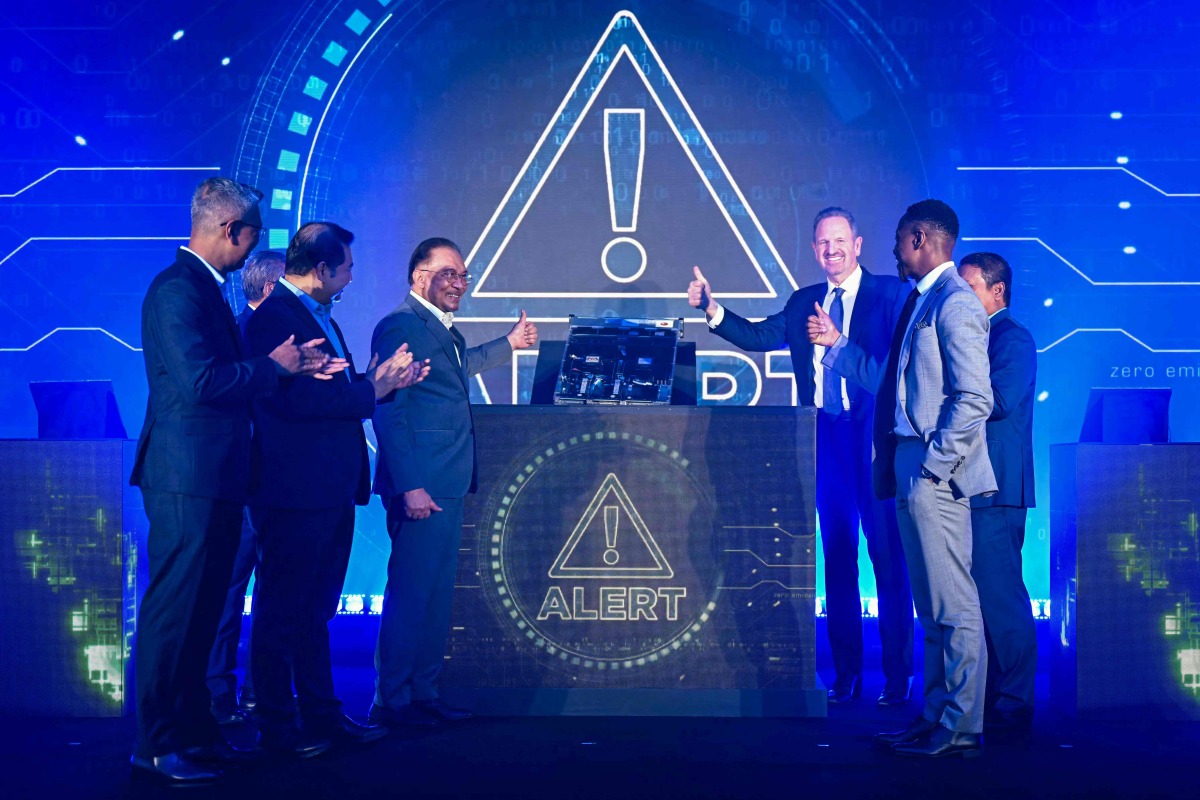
[(935, 530), (416, 604)]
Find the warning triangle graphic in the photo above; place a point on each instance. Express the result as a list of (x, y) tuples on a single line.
[(625, 131), (611, 541)]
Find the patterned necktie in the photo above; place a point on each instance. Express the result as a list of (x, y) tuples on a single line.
[(831, 382)]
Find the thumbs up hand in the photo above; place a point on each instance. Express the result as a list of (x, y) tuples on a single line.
[(821, 329), (523, 334), (700, 294)]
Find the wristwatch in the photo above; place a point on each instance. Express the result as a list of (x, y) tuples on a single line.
[(925, 473)]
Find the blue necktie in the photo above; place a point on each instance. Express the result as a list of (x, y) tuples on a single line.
[(831, 382)]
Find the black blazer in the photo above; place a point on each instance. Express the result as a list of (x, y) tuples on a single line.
[(308, 435), (243, 319), (871, 328), (196, 437), (1013, 358)]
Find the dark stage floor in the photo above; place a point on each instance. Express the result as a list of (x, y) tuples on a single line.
[(573, 757)]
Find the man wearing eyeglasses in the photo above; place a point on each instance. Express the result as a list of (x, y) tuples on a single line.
[(194, 469), (426, 466)]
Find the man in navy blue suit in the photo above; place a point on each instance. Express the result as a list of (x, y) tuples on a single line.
[(426, 468), (193, 466), (308, 437), (998, 520), (262, 269), (866, 306)]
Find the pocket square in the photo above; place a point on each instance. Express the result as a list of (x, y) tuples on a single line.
[(920, 325)]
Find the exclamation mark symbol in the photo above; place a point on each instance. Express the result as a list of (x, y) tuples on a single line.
[(611, 521), (623, 258)]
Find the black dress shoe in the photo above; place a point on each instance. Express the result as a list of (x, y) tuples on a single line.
[(440, 711), (944, 743), (896, 693), (225, 710), (846, 691), (221, 754), (345, 731), (175, 769), (406, 716), (292, 744), (917, 732)]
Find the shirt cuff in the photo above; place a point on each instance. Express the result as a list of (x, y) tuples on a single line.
[(718, 316)]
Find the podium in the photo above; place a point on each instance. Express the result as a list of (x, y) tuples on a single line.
[(1125, 580), (68, 576), (651, 560)]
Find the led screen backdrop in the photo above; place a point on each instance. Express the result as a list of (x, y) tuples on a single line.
[(586, 154)]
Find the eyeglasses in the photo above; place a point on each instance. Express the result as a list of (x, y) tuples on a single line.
[(258, 229), (449, 275)]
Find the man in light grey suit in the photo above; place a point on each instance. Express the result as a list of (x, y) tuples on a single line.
[(931, 454), (426, 466)]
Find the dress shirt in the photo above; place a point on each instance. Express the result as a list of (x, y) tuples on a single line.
[(446, 317), (850, 285)]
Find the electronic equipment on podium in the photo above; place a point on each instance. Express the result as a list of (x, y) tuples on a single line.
[(618, 361)]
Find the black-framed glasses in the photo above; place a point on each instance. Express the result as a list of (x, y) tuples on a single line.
[(449, 275), (259, 230)]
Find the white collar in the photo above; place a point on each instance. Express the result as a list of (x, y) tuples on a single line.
[(446, 317), (220, 278), (926, 283), (850, 285)]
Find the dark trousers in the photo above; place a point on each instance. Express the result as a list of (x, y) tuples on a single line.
[(844, 501), (302, 560), (416, 604), (999, 533), (191, 547), (223, 660)]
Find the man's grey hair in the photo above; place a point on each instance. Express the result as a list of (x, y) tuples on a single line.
[(219, 200), (262, 267), (835, 211)]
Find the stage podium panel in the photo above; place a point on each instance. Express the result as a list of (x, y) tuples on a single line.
[(1125, 580), (656, 561), (67, 576)]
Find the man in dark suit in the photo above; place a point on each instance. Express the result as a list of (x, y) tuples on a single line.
[(426, 466), (866, 306), (998, 520), (308, 438), (262, 269), (930, 453), (193, 466)]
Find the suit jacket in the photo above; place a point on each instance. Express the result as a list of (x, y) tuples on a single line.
[(243, 319), (871, 327), (308, 435), (1013, 357), (196, 437), (943, 386), (426, 433)]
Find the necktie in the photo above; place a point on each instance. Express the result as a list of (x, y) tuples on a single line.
[(831, 382), (886, 399)]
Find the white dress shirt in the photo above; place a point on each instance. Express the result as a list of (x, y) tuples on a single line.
[(446, 317)]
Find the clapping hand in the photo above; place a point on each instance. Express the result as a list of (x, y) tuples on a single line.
[(307, 359), (392, 374)]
